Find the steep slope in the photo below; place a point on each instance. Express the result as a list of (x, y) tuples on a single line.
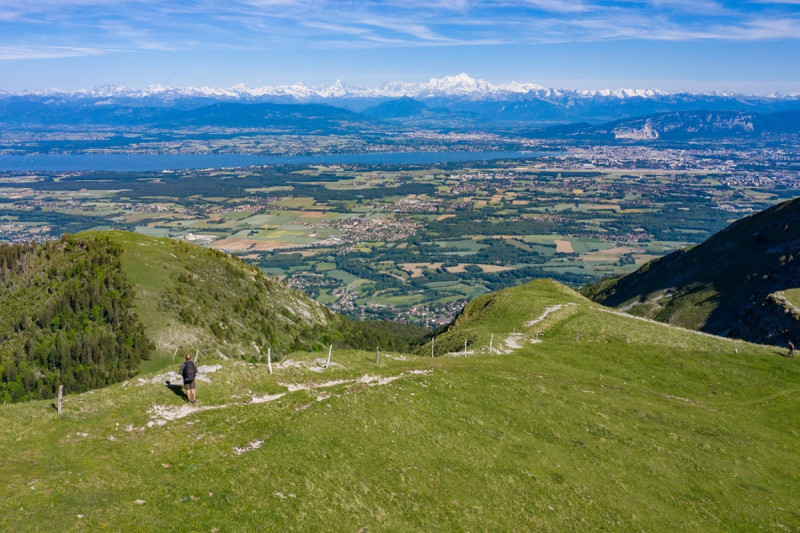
[(84, 311), (608, 422), (723, 285), (192, 298)]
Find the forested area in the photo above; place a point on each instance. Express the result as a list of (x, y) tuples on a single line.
[(67, 318), (383, 334)]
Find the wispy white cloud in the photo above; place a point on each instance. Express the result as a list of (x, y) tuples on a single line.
[(763, 28), (414, 29), (15, 53), (138, 37), (690, 6), (73, 26), (560, 6)]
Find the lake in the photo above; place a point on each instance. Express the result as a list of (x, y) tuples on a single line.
[(154, 162)]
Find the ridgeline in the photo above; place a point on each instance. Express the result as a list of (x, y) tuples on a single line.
[(732, 284)]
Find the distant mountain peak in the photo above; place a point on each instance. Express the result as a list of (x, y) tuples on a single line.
[(459, 98), (460, 85)]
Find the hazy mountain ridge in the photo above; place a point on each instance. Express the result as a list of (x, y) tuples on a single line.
[(683, 125), (458, 85), (461, 85)]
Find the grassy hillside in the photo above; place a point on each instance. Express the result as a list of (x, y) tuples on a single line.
[(608, 422), (191, 298), (505, 314), (84, 311), (721, 285)]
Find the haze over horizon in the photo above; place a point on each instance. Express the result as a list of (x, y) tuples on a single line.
[(670, 45)]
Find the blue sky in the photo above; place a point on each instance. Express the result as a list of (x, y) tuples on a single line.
[(748, 46)]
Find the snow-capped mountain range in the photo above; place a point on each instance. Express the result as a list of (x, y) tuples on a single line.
[(452, 101), (459, 86)]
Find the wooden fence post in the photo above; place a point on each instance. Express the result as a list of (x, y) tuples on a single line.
[(628, 338), (269, 359), (491, 341), (465, 347), (196, 353), (433, 341), (60, 395), (577, 336), (377, 355), (330, 349)]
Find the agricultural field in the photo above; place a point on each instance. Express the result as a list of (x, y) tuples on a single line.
[(410, 242)]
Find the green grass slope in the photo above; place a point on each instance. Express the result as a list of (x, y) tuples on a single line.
[(716, 285), (579, 418), (192, 298)]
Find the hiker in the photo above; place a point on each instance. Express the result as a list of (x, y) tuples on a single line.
[(188, 371), (791, 350)]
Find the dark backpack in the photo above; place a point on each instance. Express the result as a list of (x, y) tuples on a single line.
[(189, 370)]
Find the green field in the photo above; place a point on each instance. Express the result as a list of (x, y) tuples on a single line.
[(606, 423)]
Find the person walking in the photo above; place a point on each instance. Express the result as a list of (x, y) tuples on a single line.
[(188, 372)]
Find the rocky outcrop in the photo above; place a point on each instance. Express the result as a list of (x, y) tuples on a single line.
[(775, 321)]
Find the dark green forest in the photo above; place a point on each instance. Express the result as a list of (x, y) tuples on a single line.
[(383, 334), (67, 318)]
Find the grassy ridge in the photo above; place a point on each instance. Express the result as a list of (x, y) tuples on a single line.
[(634, 426), (501, 313), (84, 311), (191, 298)]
